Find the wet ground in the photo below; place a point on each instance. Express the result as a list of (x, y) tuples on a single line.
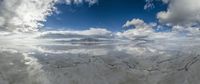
[(129, 63)]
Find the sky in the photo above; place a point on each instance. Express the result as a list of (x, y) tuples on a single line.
[(109, 14), (130, 19), (61, 28)]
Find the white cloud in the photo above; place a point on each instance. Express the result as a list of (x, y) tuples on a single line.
[(92, 32), (134, 22), (149, 4), (96, 31), (24, 15), (183, 16), (27, 15), (141, 29), (166, 1), (189, 31), (181, 12), (90, 2)]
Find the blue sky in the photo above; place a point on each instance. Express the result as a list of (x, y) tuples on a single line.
[(109, 14)]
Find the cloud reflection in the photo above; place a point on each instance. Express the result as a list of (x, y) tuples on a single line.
[(27, 59)]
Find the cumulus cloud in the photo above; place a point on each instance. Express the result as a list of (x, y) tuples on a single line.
[(140, 29), (183, 16), (28, 15), (146, 32), (24, 15), (90, 33), (186, 31), (181, 12)]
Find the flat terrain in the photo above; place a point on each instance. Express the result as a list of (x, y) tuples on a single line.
[(133, 63)]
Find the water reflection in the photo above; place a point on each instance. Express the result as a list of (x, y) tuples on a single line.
[(45, 62)]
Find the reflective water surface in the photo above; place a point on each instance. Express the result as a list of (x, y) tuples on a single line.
[(41, 62)]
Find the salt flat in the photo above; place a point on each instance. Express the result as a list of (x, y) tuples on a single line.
[(128, 63)]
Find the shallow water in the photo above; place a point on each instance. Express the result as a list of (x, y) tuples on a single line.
[(102, 63)]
